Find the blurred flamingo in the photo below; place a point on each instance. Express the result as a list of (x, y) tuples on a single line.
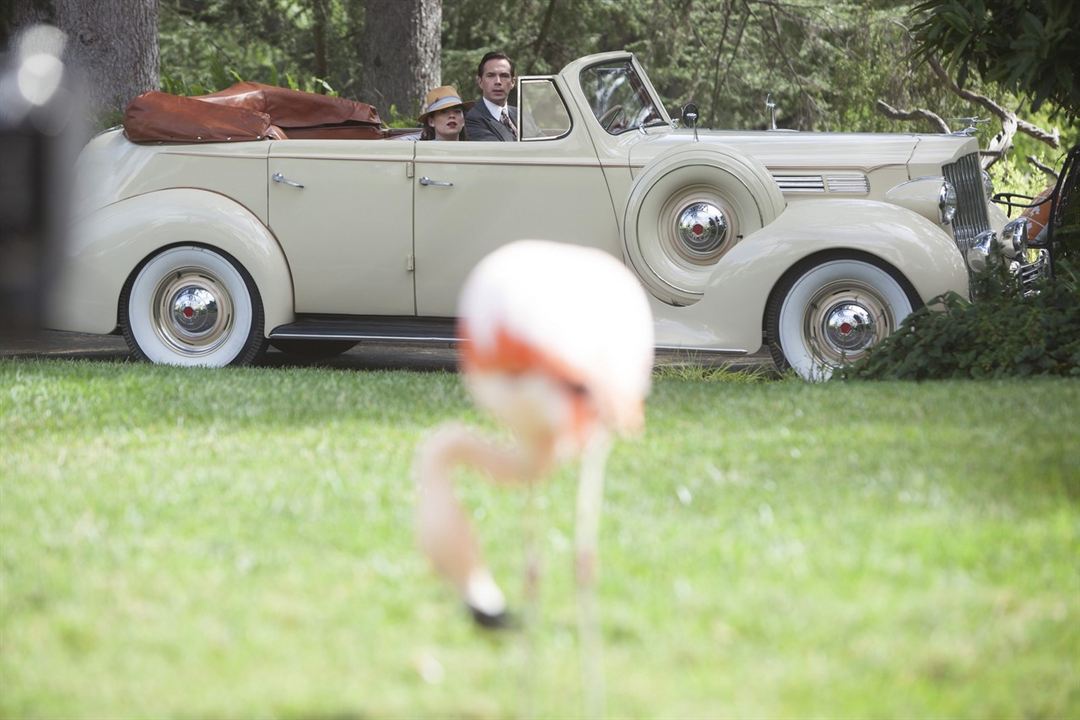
[(558, 346)]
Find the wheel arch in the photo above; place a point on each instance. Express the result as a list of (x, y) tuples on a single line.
[(110, 244), (823, 256)]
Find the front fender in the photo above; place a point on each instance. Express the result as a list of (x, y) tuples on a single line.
[(106, 245), (733, 304)]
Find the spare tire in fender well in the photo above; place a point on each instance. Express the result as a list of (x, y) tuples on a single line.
[(687, 209)]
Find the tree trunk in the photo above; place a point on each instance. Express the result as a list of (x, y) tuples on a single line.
[(318, 28), (113, 43), (401, 49)]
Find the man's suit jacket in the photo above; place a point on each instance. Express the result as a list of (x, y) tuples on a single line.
[(479, 125)]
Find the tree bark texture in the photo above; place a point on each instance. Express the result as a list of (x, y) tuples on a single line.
[(112, 43), (319, 13), (401, 48)]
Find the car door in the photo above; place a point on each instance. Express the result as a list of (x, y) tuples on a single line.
[(473, 197), (342, 211)]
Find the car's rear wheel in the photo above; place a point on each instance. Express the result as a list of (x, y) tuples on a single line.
[(829, 312), (191, 305)]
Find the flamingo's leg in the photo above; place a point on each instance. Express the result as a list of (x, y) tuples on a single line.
[(589, 500)]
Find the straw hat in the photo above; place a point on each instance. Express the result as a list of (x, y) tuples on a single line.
[(440, 98)]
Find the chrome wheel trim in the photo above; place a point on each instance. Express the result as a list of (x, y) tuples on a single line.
[(701, 230), (681, 245), (845, 319), (177, 273), (817, 301), (192, 312)]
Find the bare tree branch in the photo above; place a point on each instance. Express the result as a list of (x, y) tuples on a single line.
[(931, 117), (721, 76), (776, 36), (1045, 168), (1053, 139), (545, 27), (1000, 143)]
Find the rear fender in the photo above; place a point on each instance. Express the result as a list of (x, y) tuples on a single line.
[(108, 244)]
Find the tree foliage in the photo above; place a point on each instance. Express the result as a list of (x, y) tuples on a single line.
[(1027, 46), (312, 45), (825, 65)]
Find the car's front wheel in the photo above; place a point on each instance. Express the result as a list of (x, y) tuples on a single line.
[(191, 305), (829, 312)]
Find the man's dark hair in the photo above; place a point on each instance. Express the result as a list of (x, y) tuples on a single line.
[(496, 55)]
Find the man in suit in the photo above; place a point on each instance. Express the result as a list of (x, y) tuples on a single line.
[(491, 118)]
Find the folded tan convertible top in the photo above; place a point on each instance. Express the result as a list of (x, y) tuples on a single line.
[(248, 111)]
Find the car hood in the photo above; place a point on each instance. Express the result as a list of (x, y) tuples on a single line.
[(782, 149)]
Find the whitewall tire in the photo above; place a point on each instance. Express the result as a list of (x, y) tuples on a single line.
[(189, 305), (830, 311)]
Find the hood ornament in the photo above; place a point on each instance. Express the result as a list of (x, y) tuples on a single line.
[(972, 125)]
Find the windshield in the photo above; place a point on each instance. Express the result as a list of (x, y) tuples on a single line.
[(618, 97)]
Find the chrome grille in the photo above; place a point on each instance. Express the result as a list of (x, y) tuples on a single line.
[(971, 218)]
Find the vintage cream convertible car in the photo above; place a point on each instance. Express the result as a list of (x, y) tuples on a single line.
[(217, 233)]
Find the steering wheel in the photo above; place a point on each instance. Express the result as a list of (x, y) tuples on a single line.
[(610, 116)]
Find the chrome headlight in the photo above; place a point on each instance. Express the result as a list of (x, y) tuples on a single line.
[(988, 185), (947, 202)]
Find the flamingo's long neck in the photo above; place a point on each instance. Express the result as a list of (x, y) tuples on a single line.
[(444, 532)]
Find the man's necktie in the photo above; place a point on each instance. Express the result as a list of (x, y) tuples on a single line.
[(509, 123)]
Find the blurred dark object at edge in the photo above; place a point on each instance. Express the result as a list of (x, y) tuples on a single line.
[(41, 132)]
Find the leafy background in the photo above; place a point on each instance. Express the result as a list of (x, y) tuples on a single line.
[(825, 65)]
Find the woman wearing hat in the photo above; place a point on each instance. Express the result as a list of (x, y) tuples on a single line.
[(443, 117)]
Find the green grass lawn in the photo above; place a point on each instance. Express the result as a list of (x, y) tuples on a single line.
[(238, 543)]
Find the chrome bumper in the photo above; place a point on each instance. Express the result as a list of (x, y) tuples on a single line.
[(1028, 265)]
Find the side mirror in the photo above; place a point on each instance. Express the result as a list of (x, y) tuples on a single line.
[(690, 117)]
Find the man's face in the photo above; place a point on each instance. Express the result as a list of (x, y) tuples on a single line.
[(496, 81)]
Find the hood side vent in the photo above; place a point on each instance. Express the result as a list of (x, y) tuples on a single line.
[(857, 184), (800, 183)]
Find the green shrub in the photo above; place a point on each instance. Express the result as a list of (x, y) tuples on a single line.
[(1001, 334)]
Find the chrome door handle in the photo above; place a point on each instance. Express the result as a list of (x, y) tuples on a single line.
[(425, 180), (279, 178)]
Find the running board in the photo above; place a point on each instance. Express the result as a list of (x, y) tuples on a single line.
[(406, 328), (409, 328)]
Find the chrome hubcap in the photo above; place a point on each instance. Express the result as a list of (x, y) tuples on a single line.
[(844, 320), (702, 229), (849, 326), (193, 312)]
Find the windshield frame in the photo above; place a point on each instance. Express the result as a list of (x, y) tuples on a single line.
[(650, 111)]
